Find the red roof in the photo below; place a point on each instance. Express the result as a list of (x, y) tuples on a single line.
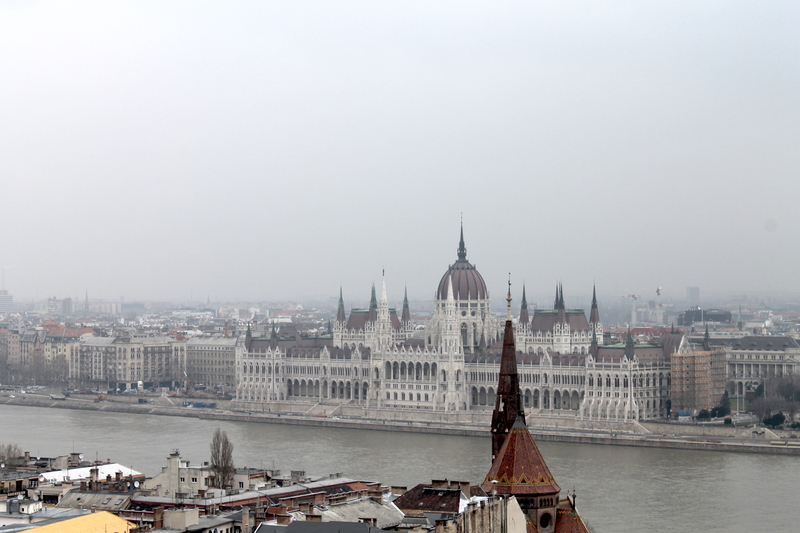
[(519, 468)]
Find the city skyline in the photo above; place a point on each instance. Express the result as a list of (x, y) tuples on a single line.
[(259, 151)]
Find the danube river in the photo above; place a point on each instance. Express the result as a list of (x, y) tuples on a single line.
[(620, 489)]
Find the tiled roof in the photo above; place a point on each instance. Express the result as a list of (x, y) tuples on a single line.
[(425, 498), (519, 468)]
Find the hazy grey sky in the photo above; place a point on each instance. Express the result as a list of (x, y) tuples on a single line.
[(267, 150)]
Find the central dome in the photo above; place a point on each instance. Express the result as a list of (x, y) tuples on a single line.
[(468, 283)]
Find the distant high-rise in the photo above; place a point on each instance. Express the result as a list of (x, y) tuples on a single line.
[(6, 302), (693, 296)]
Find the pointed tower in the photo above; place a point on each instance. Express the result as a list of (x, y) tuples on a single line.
[(248, 338), (707, 341), (405, 318), (739, 322), (372, 316), (450, 334), (508, 404), (629, 345), (562, 312), (340, 316), (518, 468), (594, 315), (524, 319)]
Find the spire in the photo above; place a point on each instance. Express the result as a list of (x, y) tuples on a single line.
[(248, 338), (406, 317), (508, 300), (340, 318), (523, 310), (384, 298), (373, 301), (508, 405), (594, 315), (739, 322), (707, 340), (629, 344), (462, 250), (562, 314), (273, 334), (555, 304)]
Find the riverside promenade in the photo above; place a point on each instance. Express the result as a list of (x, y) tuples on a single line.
[(554, 429)]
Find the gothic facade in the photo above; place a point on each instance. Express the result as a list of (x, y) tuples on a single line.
[(376, 359)]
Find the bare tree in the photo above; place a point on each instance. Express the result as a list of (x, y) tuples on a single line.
[(222, 459), (9, 452)]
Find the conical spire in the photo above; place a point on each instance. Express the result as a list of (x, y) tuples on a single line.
[(555, 303), (462, 250), (373, 301), (707, 340), (629, 344), (562, 314), (406, 317), (508, 404), (248, 338), (594, 315), (384, 298), (523, 310), (340, 317)]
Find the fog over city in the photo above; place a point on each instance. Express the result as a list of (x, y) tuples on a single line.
[(266, 150)]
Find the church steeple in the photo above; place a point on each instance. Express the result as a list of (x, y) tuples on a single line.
[(508, 404), (707, 340)]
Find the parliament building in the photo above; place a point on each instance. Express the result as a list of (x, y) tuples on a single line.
[(375, 360)]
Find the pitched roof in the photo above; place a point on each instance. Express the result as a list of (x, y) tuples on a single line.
[(99, 522), (519, 468)]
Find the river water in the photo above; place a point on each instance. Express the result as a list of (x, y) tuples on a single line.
[(620, 489)]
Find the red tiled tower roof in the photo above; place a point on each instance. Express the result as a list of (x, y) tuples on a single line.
[(519, 468)]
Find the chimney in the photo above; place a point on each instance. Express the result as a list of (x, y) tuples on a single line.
[(370, 521), (464, 486), (439, 483), (305, 507), (283, 519), (313, 518), (83, 486), (94, 508), (158, 518), (118, 475), (398, 490), (27, 457), (246, 519), (376, 496)]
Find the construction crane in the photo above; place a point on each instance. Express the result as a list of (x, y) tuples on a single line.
[(633, 297), (659, 308)]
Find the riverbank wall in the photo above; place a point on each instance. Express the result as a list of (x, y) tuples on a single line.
[(551, 430)]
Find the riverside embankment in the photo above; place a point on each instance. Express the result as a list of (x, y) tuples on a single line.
[(655, 436)]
